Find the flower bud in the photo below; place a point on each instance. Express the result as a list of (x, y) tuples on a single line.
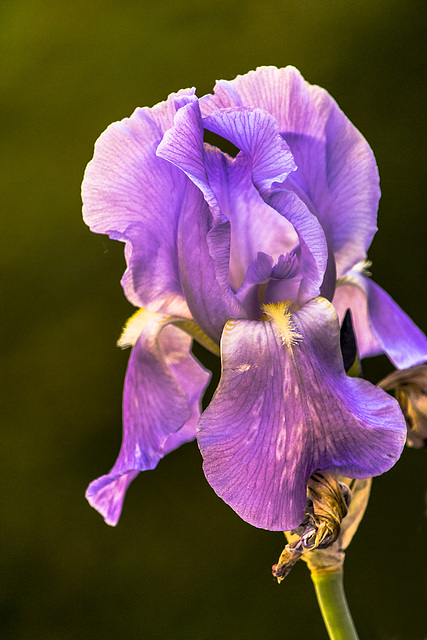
[(335, 507), (410, 388)]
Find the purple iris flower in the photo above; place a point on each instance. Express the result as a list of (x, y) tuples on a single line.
[(258, 257)]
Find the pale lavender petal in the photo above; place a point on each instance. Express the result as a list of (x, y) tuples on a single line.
[(337, 176), (134, 196), (282, 412), (381, 326), (161, 405)]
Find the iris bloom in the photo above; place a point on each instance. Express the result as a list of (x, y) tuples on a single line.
[(258, 257)]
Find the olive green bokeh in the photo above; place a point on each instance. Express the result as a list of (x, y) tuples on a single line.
[(180, 564)]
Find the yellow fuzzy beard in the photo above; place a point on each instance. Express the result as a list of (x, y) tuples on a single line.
[(281, 317)]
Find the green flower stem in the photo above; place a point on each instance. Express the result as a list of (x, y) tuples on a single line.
[(333, 605)]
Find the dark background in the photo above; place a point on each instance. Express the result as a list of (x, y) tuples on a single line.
[(180, 564)]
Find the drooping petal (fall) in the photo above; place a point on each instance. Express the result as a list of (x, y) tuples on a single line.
[(161, 405), (337, 176), (134, 196), (381, 326), (285, 408)]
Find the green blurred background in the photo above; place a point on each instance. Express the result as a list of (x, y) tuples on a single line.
[(180, 564)]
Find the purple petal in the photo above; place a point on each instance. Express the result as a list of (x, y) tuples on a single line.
[(255, 227), (381, 326), (161, 406), (204, 254), (348, 295), (285, 283), (259, 272), (282, 280), (204, 233), (313, 245), (282, 412), (287, 266), (183, 147), (227, 186), (255, 133), (337, 176), (134, 196)]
